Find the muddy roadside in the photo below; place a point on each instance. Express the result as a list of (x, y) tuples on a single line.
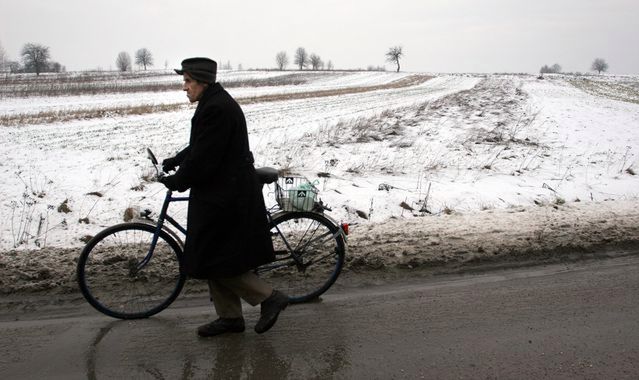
[(399, 248), (517, 234)]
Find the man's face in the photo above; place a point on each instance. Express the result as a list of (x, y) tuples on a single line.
[(193, 88)]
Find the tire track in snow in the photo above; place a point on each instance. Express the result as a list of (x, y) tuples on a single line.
[(280, 126), (130, 104), (295, 116)]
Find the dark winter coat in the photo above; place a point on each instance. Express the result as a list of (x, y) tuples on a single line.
[(227, 231)]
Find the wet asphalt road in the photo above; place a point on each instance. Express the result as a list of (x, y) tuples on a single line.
[(578, 320)]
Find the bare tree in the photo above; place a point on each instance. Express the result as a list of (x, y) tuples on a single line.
[(554, 69), (3, 59), (394, 54), (14, 66), (35, 57), (599, 65), (144, 58), (329, 65), (282, 60), (56, 67), (123, 61), (316, 61), (301, 58)]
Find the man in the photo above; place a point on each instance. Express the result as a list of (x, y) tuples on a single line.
[(227, 227)]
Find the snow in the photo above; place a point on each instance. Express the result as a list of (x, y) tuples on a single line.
[(459, 144), (316, 82)]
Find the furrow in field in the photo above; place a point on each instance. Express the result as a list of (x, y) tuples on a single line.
[(54, 110), (296, 116)]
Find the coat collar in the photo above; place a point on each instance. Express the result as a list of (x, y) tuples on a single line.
[(208, 93)]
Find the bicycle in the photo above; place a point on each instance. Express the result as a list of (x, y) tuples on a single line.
[(134, 269)]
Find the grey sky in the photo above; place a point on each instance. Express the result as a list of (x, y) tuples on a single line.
[(437, 35)]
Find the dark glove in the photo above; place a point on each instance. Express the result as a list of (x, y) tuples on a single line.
[(169, 181), (169, 164)]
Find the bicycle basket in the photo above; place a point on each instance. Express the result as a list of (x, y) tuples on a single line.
[(295, 193)]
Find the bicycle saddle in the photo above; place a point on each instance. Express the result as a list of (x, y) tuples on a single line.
[(266, 175)]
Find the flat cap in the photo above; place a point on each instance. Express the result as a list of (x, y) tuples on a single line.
[(201, 69)]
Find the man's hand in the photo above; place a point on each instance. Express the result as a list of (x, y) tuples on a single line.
[(169, 164), (169, 182)]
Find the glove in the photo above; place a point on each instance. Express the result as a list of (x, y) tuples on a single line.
[(169, 164), (169, 182)]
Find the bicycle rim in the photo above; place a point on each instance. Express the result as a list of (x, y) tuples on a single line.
[(113, 280), (318, 248)]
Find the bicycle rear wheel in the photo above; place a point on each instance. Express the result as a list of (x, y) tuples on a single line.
[(114, 280), (309, 255)]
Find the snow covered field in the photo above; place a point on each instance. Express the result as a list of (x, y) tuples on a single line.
[(455, 144), (239, 82)]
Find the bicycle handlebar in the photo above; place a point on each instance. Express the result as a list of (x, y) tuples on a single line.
[(158, 171)]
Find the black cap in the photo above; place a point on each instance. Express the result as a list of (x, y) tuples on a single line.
[(201, 69)]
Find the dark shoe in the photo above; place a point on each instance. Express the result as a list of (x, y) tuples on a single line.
[(221, 326), (269, 310)]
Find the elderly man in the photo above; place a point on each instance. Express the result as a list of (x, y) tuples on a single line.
[(227, 234)]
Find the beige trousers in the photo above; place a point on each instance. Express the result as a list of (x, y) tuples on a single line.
[(226, 293)]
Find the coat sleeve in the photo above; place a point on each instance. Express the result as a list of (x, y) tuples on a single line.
[(205, 154), (180, 156)]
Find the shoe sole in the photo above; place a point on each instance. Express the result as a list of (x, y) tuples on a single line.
[(205, 335), (270, 324)]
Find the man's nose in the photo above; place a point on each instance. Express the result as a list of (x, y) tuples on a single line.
[(184, 88)]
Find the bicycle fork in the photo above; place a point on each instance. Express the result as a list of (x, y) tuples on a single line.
[(159, 226)]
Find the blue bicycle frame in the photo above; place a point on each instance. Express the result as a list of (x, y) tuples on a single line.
[(160, 224)]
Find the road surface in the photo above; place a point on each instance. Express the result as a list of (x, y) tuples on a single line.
[(575, 320)]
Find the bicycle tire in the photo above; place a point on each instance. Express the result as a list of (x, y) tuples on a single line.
[(320, 246), (110, 281)]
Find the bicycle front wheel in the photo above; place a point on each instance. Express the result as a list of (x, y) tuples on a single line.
[(309, 252), (120, 278)]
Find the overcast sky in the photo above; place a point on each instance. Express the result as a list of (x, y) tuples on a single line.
[(436, 35)]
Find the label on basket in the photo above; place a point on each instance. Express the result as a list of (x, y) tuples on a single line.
[(302, 200), (289, 180)]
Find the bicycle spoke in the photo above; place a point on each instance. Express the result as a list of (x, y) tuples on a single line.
[(112, 281), (314, 259), (319, 259)]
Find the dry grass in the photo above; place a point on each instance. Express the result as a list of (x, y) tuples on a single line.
[(412, 80), (71, 84), (70, 115), (625, 92), (48, 117)]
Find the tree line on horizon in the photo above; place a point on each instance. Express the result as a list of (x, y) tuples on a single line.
[(599, 65), (302, 59), (143, 58), (36, 58)]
